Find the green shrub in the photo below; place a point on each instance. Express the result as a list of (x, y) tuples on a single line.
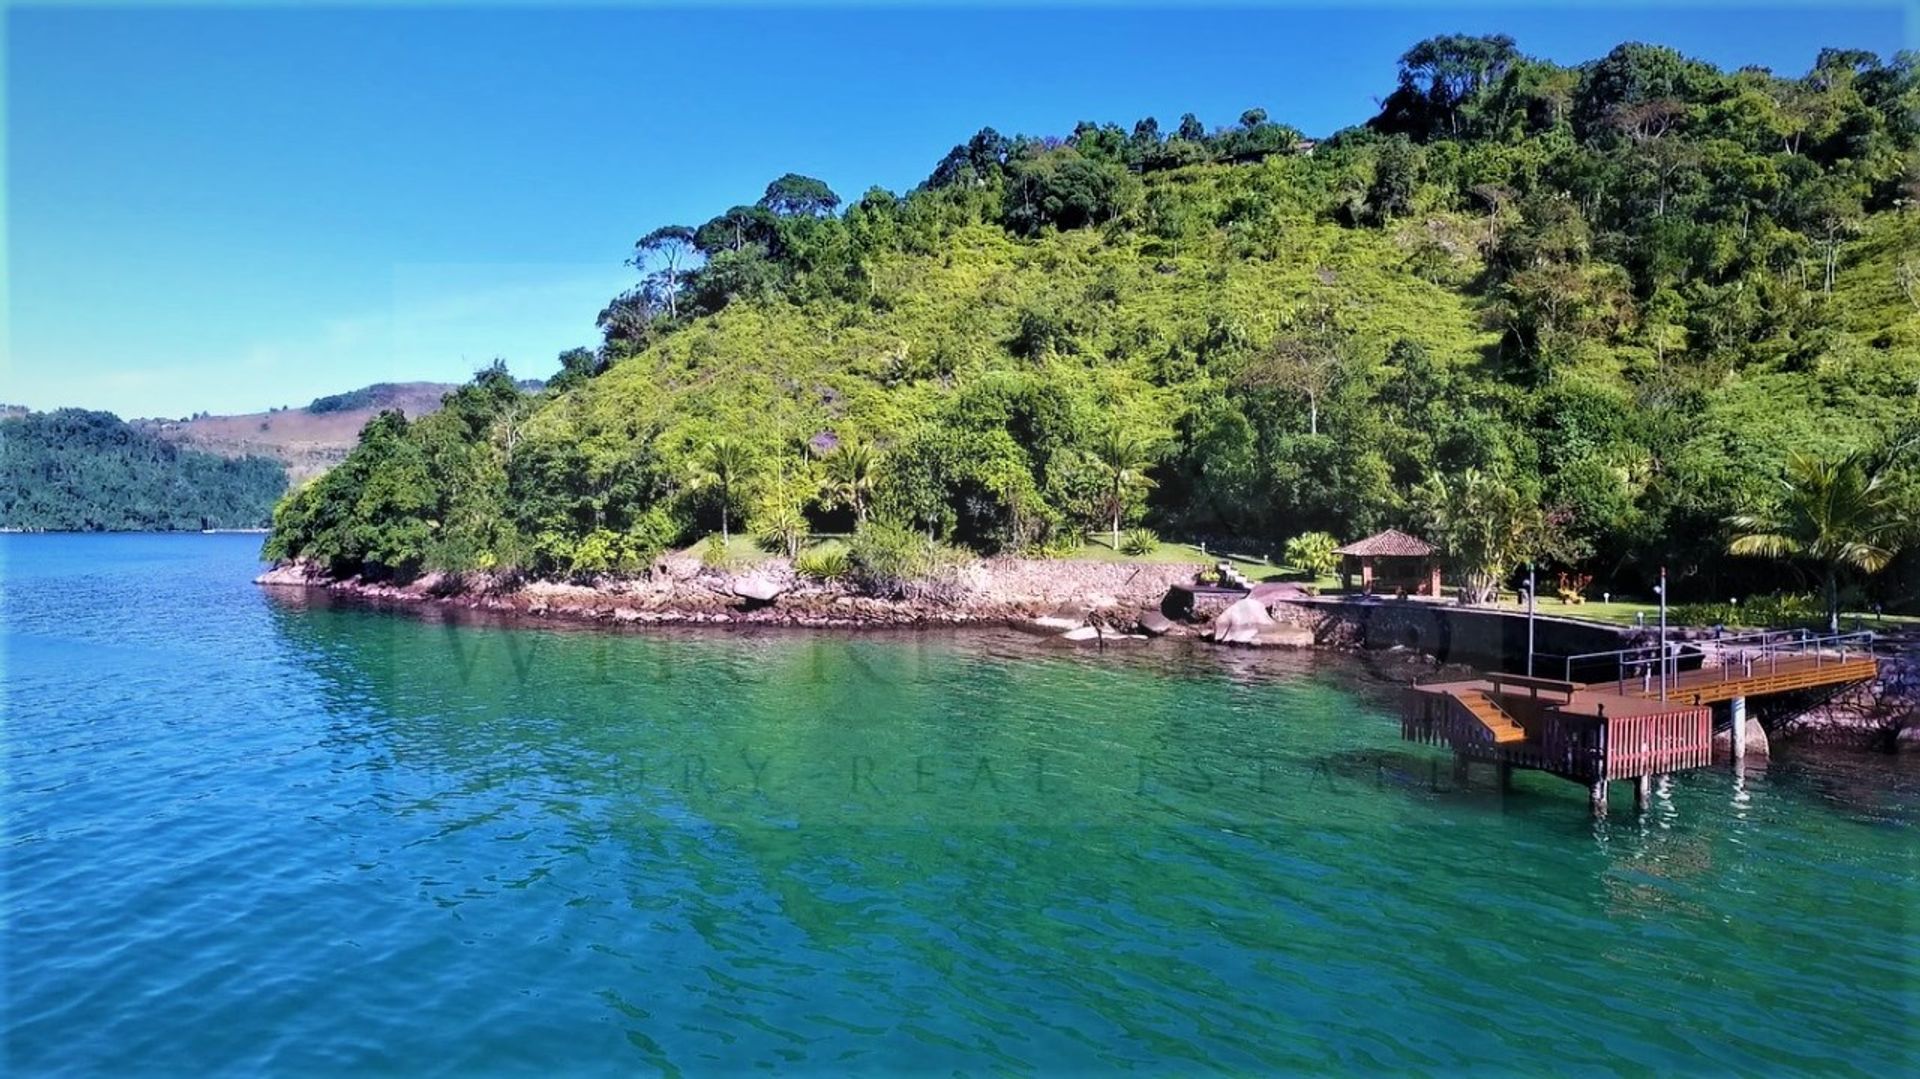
[(1139, 542), (780, 528), (714, 553), (1061, 544), (1779, 610), (823, 564), (893, 561), (1312, 552), (599, 551), (603, 551), (652, 532)]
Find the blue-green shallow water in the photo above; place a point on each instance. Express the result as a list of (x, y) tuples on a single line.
[(242, 834)]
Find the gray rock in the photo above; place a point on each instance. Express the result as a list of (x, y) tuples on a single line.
[(1067, 616), (1242, 622), (1097, 635), (1283, 637), (758, 589), (1153, 623)]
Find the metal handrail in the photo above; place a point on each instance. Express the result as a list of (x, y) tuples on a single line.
[(1761, 635), (1768, 645)]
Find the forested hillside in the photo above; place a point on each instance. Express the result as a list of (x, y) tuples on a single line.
[(1579, 314), (73, 470)]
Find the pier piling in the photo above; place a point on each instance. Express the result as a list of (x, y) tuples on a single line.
[(1738, 708)]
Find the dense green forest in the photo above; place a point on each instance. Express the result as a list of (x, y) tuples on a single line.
[(1583, 315), (79, 471)]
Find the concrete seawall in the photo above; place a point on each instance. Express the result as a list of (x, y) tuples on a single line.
[(1489, 639)]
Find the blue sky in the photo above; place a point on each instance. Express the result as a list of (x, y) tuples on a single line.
[(232, 209)]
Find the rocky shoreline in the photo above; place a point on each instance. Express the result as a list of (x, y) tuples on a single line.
[(1078, 601)]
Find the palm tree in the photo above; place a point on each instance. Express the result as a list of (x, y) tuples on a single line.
[(1485, 526), (1837, 513), (852, 469), (725, 468), (1125, 456)]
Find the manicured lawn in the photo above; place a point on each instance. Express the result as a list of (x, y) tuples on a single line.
[(742, 550), (1619, 612), (1100, 549), (1622, 612)]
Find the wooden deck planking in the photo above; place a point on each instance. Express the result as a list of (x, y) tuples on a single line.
[(1713, 685), (1593, 732)]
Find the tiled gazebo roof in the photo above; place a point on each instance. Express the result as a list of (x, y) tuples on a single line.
[(1392, 543)]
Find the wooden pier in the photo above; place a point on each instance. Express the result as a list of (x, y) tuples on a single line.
[(1649, 719)]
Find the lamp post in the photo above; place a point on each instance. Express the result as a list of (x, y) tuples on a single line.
[(1661, 588), (1530, 598)]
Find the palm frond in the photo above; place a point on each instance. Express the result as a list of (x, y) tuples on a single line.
[(1765, 545)]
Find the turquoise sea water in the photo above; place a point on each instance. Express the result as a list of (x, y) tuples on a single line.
[(245, 834)]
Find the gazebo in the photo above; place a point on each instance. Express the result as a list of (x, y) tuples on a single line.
[(1390, 561)]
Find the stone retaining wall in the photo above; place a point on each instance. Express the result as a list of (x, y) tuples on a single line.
[(1478, 637)]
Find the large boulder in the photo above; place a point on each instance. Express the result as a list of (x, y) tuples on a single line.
[(1272, 592), (1242, 622), (758, 589)]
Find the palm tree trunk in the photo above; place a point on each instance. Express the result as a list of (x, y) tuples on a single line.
[(1833, 600)]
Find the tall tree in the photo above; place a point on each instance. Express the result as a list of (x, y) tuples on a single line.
[(1124, 458), (1483, 525), (794, 195), (736, 230), (852, 470), (1838, 513), (726, 468), (1451, 70), (671, 244), (1306, 359), (1830, 214)]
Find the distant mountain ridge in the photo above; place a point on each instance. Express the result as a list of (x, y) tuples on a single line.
[(74, 469), (307, 440)]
